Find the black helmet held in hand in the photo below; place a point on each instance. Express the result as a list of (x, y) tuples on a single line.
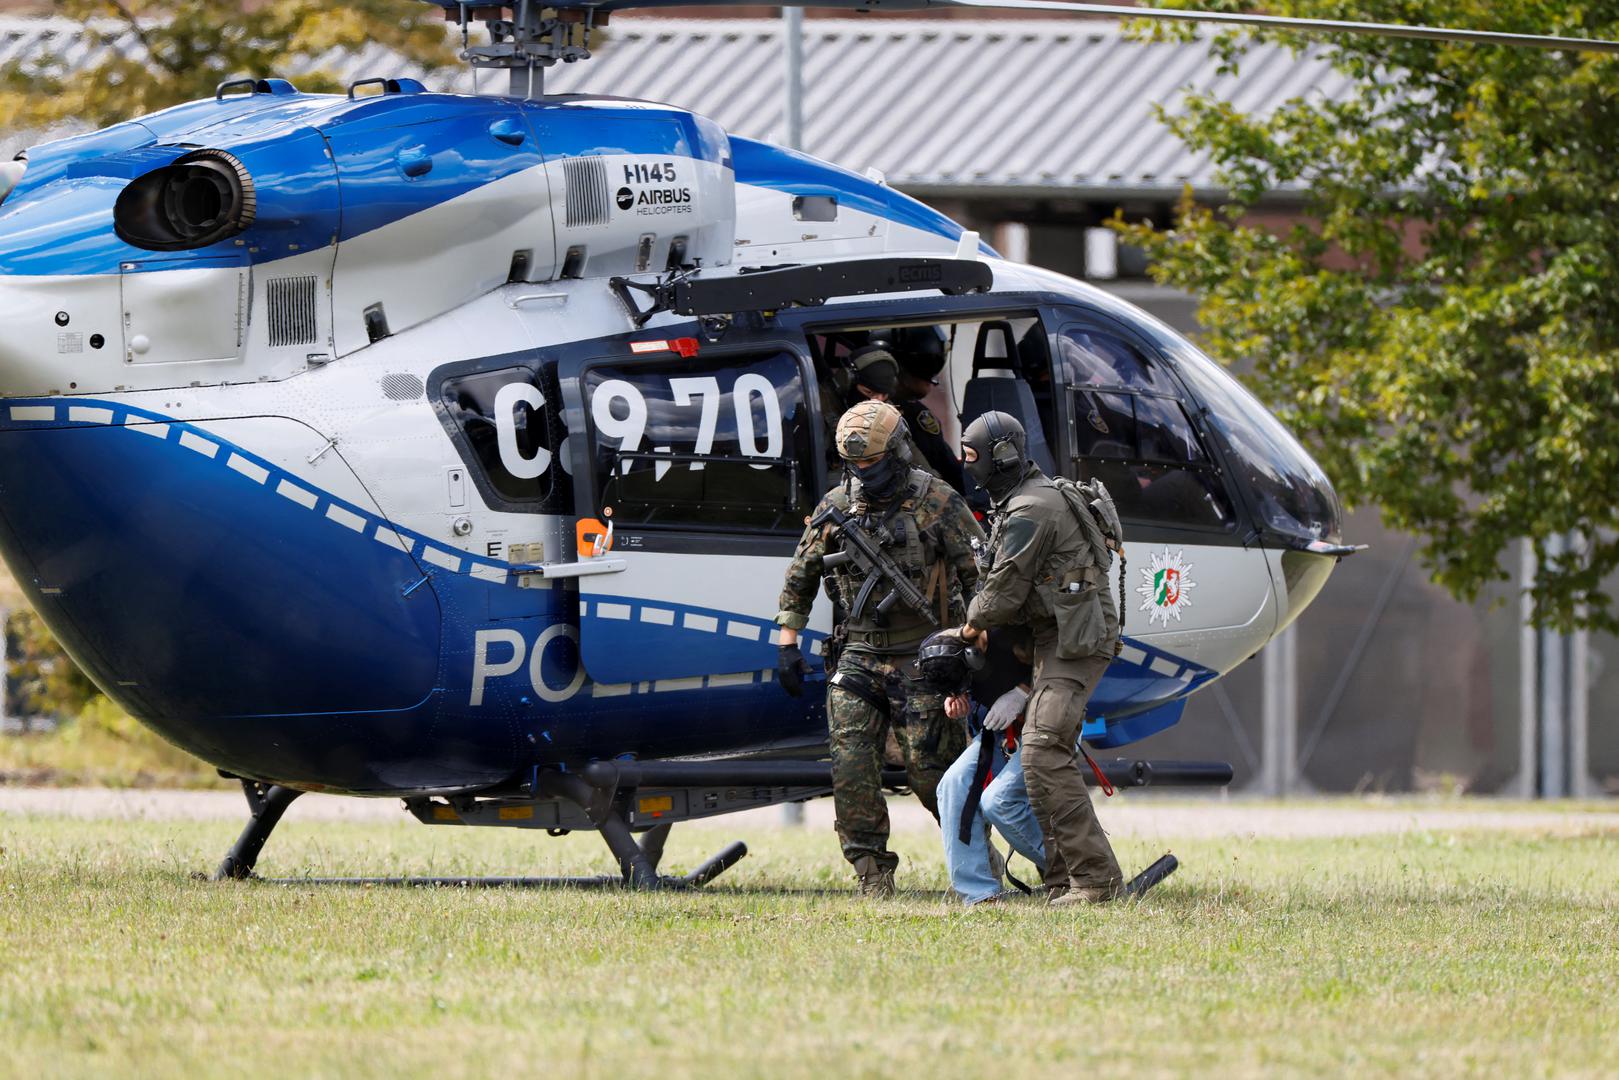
[(946, 664)]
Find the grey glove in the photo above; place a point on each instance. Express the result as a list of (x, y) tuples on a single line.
[(1007, 708)]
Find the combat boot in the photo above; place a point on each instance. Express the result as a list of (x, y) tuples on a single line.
[(1077, 895), (876, 880)]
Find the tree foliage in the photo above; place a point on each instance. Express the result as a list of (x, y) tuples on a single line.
[(187, 47), (1442, 324), (40, 678)]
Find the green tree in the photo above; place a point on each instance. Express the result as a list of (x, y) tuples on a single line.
[(187, 47), (1442, 324)]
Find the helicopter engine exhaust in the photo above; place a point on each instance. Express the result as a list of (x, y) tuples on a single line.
[(201, 199)]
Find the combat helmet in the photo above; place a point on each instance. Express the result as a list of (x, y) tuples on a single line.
[(867, 430)]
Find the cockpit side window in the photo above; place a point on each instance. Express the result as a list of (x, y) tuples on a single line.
[(507, 418), (1131, 430), (706, 444), (1092, 357)]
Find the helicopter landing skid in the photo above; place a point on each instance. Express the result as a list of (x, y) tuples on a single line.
[(638, 860)]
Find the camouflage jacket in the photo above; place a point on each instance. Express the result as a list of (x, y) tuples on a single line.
[(942, 519)]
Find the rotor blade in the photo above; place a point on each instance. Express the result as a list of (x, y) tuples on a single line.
[(1114, 11), (1280, 22)]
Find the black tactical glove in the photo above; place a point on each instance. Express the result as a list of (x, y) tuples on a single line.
[(791, 669)]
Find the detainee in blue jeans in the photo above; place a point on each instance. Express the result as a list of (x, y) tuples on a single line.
[(1004, 804)]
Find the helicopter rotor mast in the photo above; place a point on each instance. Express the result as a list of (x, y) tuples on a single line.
[(532, 38)]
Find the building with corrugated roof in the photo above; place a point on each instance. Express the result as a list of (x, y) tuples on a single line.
[(1050, 124)]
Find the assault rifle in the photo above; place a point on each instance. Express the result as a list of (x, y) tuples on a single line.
[(861, 547)]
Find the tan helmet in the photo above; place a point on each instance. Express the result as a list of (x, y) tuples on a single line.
[(867, 430)]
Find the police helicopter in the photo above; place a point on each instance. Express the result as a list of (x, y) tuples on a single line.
[(452, 448)]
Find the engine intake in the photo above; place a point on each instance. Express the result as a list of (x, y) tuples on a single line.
[(203, 198)]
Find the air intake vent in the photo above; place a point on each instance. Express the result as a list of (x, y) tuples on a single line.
[(401, 386), (586, 180), (291, 303)]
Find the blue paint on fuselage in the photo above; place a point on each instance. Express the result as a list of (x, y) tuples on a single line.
[(328, 168), (274, 638), (779, 169), (278, 641)]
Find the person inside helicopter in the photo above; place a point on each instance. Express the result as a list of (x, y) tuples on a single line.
[(921, 352), (870, 372)]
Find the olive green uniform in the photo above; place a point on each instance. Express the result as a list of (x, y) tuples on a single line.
[(1045, 575), (872, 693)]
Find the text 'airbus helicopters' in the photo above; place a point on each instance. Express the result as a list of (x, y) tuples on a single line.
[(452, 448)]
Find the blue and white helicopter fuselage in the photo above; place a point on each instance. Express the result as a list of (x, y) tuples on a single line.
[(306, 499)]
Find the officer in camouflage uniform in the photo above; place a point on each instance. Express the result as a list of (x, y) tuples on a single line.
[(1046, 575), (926, 529)]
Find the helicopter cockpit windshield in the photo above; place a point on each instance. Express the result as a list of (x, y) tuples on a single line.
[(1292, 498)]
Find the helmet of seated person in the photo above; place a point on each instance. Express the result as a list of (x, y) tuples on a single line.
[(876, 373), (946, 664), (920, 351)]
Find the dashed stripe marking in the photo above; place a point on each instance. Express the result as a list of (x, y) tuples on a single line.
[(611, 689), (33, 412), (612, 611), (440, 557), (485, 572), (1164, 667), (390, 538), (706, 623), (663, 686), (85, 414), (743, 678), (304, 498), (257, 473), (346, 517), (658, 616), (745, 631), (205, 447), (156, 431)]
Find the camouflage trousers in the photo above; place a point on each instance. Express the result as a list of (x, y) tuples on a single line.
[(858, 728)]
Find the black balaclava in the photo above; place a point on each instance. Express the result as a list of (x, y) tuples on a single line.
[(881, 480), (1001, 445)]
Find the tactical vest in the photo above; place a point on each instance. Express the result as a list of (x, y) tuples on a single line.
[(1069, 590), (918, 553)]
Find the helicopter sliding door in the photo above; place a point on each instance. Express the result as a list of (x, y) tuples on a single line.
[(705, 466)]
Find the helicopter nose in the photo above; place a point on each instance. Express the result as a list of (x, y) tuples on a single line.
[(1303, 575)]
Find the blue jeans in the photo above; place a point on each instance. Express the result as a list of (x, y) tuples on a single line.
[(1005, 805)]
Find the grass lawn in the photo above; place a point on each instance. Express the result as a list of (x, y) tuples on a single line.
[(1422, 953)]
